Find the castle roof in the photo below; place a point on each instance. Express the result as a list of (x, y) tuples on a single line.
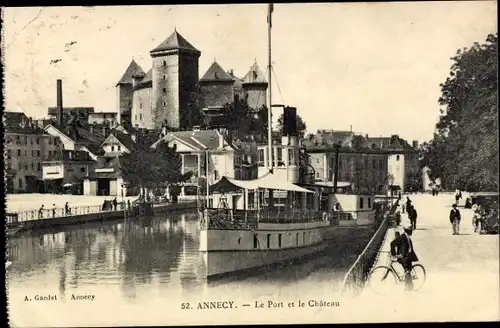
[(133, 70), (216, 73), (175, 41), (238, 83), (254, 75)]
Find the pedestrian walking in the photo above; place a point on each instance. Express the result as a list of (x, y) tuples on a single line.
[(67, 210), (455, 219), (458, 195), (412, 215), (477, 218), (40, 212)]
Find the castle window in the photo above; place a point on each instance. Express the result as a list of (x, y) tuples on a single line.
[(164, 63), (164, 77), (164, 90), (397, 158), (140, 105), (140, 117), (135, 117), (268, 241), (164, 104), (112, 148)]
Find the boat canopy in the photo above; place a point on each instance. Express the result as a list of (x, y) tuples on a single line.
[(269, 181)]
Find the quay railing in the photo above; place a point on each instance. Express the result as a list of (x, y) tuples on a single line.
[(53, 213), (355, 278)]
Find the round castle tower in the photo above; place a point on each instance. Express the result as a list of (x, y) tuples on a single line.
[(255, 87)]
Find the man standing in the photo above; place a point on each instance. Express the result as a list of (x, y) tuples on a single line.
[(412, 215), (455, 219), (402, 249)]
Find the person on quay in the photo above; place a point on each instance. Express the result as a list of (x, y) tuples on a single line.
[(40, 212), (115, 204), (67, 211), (403, 252), (53, 210), (458, 195), (477, 218), (412, 215), (408, 203), (455, 219)]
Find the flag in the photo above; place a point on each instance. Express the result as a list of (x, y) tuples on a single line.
[(269, 14)]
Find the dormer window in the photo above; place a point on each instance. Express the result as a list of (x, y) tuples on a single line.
[(254, 75), (215, 75)]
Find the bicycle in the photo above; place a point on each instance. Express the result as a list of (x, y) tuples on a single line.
[(382, 274)]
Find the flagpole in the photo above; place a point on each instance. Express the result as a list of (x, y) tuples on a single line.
[(269, 72)]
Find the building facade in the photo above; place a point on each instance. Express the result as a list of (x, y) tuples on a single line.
[(403, 165), (26, 146), (207, 147)]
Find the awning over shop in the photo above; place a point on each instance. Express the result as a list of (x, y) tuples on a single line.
[(268, 181)]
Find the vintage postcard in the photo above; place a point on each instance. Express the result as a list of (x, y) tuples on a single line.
[(251, 163)]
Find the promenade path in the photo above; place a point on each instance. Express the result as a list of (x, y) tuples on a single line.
[(462, 271)]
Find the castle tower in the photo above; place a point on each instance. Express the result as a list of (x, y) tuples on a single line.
[(217, 86), (174, 81), (125, 90), (255, 87)]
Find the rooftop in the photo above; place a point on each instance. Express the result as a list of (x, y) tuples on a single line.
[(216, 73), (175, 41), (132, 70), (254, 75)]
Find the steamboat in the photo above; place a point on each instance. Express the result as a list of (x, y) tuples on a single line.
[(279, 217)]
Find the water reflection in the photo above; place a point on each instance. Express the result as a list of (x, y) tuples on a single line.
[(126, 253), (159, 258)]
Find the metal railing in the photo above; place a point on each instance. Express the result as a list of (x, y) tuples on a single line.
[(355, 278), (52, 213)]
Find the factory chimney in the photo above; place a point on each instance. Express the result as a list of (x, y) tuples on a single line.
[(59, 103)]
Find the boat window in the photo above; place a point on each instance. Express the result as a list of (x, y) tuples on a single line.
[(216, 175), (369, 202), (268, 241), (279, 240), (304, 238), (297, 239), (255, 241), (361, 202)]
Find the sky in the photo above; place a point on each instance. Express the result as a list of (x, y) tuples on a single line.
[(375, 67)]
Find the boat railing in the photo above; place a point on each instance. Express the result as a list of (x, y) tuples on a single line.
[(234, 219), (227, 219)]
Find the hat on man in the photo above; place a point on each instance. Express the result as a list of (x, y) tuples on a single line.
[(454, 205)]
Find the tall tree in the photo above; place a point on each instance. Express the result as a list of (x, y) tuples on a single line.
[(464, 150), (301, 125), (150, 168)]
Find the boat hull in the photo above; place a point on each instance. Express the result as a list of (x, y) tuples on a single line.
[(221, 264)]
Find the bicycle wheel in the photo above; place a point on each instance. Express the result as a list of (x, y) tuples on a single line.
[(382, 280), (418, 275)]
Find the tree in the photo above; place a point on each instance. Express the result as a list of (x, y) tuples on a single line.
[(153, 168), (301, 125), (242, 121), (464, 150)]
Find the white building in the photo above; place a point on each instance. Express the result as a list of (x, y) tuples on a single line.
[(199, 148)]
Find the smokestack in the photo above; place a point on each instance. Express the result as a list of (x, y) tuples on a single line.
[(59, 103), (415, 144)]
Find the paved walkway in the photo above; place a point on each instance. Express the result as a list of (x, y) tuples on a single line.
[(462, 271)]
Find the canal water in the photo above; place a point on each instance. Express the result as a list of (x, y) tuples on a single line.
[(128, 262)]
